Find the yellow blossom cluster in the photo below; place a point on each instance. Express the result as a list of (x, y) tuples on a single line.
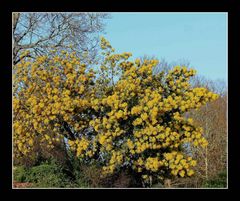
[(49, 93), (115, 160), (178, 164), (80, 145)]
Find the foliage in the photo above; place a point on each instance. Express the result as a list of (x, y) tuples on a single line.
[(220, 181), (51, 174), (119, 114), (43, 175), (19, 174)]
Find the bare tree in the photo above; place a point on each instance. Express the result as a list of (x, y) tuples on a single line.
[(40, 32), (218, 86), (212, 117), (163, 65)]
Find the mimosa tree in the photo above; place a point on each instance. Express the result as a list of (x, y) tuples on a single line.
[(120, 113)]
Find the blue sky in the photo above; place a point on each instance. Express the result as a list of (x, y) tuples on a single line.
[(200, 38)]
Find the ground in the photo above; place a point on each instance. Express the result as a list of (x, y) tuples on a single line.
[(21, 184)]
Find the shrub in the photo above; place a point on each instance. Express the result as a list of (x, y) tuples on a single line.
[(124, 180), (47, 175), (19, 174), (91, 175), (220, 181)]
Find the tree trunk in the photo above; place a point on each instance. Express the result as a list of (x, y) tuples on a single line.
[(167, 183), (206, 154), (15, 17), (206, 163)]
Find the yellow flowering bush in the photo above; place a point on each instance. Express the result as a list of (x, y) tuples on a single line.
[(51, 98), (119, 112)]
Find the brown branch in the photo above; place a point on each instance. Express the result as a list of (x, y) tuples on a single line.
[(15, 18)]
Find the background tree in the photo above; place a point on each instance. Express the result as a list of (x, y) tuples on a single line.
[(40, 32), (213, 118)]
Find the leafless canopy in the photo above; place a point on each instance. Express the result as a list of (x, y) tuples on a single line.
[(40, 32)]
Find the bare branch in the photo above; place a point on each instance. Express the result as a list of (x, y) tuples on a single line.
[(15, 20), (39, 32)]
